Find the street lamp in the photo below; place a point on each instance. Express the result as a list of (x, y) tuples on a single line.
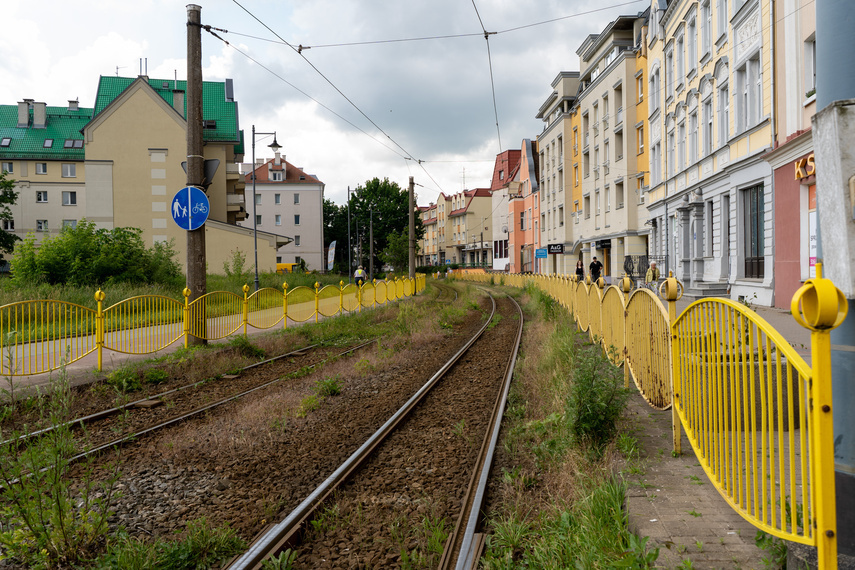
[(275, 146)]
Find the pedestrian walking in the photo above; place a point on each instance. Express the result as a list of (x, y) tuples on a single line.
[(580, 271), (359, 275), (652, 275), (596, 267)]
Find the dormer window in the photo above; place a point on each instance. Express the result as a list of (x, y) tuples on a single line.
[(209, 124), (276, 176), (48, 143)]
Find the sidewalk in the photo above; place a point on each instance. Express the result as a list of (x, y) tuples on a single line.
[(671, 500)]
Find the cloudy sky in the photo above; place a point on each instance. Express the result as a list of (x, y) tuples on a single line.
[(428, 100)]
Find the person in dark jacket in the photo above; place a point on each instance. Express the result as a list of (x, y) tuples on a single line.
[(596, 267), (580, 270)]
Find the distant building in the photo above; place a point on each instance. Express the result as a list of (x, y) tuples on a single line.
[(118, 164), (289, 202), (524, 212)]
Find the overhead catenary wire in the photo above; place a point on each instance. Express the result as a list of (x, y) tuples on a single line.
[(492, 81)]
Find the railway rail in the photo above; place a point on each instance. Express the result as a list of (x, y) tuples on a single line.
[(459, 375)]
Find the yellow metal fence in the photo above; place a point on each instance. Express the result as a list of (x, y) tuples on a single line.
[(757, 416), (41, 336)]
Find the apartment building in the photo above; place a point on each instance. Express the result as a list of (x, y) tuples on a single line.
[(609, 200), (555, 169), (711, 121), (118, 164), (505, 173), (792, 159), (288, 202), (524, 212), (42, 148), (428, 253), (470, 226)]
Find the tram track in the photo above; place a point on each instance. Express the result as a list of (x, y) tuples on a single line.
[(459, 389)]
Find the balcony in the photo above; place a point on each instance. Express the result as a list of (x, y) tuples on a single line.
[(235, 202)]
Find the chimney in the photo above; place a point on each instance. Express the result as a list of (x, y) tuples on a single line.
[(277, 160), (39, 115), (73, 105), (23, 114), (178, 101)]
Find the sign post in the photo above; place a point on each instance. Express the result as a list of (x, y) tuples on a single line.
[(190, 208)]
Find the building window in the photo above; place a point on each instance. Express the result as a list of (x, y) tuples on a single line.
[(721, 11), (810, 66), (680, 57), (708, 126), (6, 167), (706, 28), (41, 196), (639, 134), (41, 225), (296, 219), (69, 224), (653, 100), (276, 176), (9, 225), (277, 199), (670, 158), (754, 231), (278, 219), (48, 143), (522, 221), (278, 259), (5, 142), (69, 198), (41, 168), (693, 137), (655, 162), (69, 170), (692, 46), (723, 115), (298, 260), (258, 199), (296, 198), (639, 85), (708, 229), (258, 219), (501, 175), (749, 102), (669, 73), (587, 206), (297, 241)]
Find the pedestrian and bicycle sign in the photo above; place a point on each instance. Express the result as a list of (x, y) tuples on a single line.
[(190, 208)]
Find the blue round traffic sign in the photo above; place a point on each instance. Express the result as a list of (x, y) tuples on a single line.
[(190, 208)]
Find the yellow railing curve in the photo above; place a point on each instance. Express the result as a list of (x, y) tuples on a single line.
[(43, 335), (758, 417)]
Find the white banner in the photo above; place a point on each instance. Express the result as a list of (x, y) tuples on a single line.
[(331, 256)]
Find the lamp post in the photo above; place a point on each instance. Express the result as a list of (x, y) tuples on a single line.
[(275, 146)]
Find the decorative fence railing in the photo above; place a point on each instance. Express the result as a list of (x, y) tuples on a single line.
[(41, 336), (757, 416)]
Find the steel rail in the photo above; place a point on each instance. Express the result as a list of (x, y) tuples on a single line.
[(284, 534), (470, 543)]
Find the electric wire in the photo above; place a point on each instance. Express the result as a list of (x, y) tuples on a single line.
[(492, 81)]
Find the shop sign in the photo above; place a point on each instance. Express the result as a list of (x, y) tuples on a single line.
[(555, 248), (805, 167)]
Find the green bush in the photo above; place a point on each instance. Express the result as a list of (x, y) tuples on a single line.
[(88, 256)]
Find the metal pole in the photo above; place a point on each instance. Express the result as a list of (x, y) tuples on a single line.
[(196, 270), (254, 210), (371, 243), (349, 246), (412, 230)]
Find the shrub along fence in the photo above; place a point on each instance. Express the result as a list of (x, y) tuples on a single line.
[(757, 416), (43, 335)]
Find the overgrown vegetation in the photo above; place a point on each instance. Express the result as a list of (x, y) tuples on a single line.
[(88, 256), (560, 506), (46, 518)]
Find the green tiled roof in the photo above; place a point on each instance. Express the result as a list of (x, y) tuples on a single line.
[(29, 143), (215, 104)]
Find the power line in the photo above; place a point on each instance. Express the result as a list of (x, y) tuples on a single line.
[(492, 82)]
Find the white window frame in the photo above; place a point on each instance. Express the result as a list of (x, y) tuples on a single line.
[(691, 46), (69, 224), (706, 28), (276, 176), (278, 219), (41, 168), (297, 241), (277, 199), (681, 146), (810, 66), (7, 167), (693, 137), (296, 197), (707, 119), (721, 20), (723, 114), (41, 196), (9, 225), (42, 226), (258, 219), (69, 198), (296, 219), (69, 170)]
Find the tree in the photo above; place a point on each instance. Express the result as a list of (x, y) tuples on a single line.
[(387, 205), (8, 197), (335, 230), (397, 252)]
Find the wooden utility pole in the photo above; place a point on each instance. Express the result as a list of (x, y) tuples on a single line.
[(412, 229), (196, 278), (371, 242)]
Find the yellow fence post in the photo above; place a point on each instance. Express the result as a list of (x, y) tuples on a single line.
[(284, 304), (625, 287), (317, 302), (823, 308), (99, 327), (341, 296), (186, 294), (671, 290), (245, 307)]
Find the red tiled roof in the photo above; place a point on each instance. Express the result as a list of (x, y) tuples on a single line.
[(293, 175)]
